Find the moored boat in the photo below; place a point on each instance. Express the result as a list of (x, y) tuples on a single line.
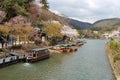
[(37, 54), (64, 48), (78, 42)]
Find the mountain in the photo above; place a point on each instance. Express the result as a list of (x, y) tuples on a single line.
[(50, 15), (112, 22), (79, 24), (70, 21)]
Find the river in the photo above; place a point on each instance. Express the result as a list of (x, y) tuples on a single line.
[(90, 62)]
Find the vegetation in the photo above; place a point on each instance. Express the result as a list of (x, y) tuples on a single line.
[(80, 32), (20, 32), (37, 42), (107, 23), (89, 34), (53, 29), (115, 48), (20, 13), (103, 29), (113, 51), (15, 7), (113, 44), (45, 4), (21, 16)]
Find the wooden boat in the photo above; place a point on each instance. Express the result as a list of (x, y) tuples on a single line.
[(64, 48), (79, 42), (37, 54), (54, 51)]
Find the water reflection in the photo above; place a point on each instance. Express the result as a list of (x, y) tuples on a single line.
[(26, 64)]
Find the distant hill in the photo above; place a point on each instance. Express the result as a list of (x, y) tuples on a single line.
[(113, 22), (79, 24)]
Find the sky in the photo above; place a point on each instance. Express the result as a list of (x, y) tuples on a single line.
[(87, 10)]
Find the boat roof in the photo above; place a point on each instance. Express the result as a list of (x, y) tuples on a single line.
[(16, 54), (64, 45), (39, 49)]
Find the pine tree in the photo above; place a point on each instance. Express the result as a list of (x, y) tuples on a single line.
[(45, 4)]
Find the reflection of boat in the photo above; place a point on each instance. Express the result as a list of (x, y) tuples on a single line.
[(63, 48), (37, 54)]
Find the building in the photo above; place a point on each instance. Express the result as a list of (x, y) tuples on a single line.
[(115, 34)]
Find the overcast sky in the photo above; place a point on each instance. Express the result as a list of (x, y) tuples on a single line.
[(87, 10)]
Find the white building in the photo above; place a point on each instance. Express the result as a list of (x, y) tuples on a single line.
[(115, 34), (95, 32)]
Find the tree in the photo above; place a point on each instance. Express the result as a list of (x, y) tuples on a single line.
[(53, 29), (4, 31), (45, 4), (80, 31), (22, 32), (14, 7)]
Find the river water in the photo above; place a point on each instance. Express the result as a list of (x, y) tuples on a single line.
[(88, 63)]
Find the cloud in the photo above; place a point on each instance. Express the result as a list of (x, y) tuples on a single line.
[(87, 10)]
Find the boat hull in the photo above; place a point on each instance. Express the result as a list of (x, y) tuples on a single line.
[(42, 57)]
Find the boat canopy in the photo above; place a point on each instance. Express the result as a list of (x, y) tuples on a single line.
[(64, 45), (38, 49)]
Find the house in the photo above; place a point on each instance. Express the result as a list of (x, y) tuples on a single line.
[(95, 32), (115, 34)]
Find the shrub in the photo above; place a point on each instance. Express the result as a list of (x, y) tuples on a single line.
[(113, 44), (38, 42), (116, 58), (16, 47)]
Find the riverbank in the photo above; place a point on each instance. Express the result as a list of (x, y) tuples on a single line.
[(115, 66)]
